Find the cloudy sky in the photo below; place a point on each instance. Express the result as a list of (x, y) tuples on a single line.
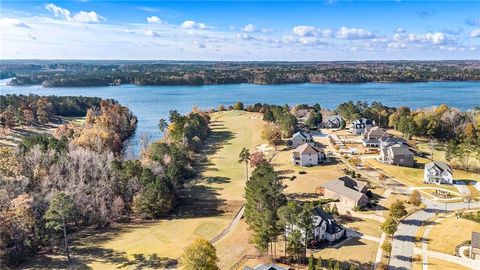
[(229, 30)]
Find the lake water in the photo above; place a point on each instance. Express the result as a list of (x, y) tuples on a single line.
[(150, 103)]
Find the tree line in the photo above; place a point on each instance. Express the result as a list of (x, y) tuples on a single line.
[(84, 74), (28, 110)]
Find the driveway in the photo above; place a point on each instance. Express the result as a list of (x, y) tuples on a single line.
[(403, 244)]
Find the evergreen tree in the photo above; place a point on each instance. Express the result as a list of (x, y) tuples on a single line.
[(59, 212), (311, 262), (263, 193)]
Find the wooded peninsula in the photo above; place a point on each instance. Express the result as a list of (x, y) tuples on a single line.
[(70, 73)]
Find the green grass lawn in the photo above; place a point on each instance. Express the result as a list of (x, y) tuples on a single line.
[(215, 196)]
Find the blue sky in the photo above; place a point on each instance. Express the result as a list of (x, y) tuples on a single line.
[(248, 30)]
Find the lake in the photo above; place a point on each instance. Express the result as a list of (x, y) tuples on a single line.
[(150, 103)]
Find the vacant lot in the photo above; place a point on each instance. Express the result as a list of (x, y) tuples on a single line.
[(414, 176), (442, 239), (355, 251), (304, 183), (437, 264)]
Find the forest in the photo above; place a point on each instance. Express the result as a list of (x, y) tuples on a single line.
[(52, 186), (93, 73)]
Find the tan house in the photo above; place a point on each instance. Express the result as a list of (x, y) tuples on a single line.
[(349, 192)]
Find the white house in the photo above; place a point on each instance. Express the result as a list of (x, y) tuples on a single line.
[(300, 138), (359, 126), (371, 137), (307, 155), (438, 173), (333, 121), (324, 227)]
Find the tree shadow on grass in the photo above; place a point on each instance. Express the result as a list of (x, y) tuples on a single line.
[(150, 262)]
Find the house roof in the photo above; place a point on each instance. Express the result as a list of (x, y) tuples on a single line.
[(347, 187), (375, 131), (332, 227), (363, 121), (393, 140), (306, 149), (442, 166), (400, 150), (476, 239), (265, 267), (370, 140), (304, 135)]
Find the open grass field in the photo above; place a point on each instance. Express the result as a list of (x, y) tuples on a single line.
[(215, 197), (443, 240), (304, 183), (232, 131), (414, 176), (355, 251), (14, 136), (364, 225), (437, 264)]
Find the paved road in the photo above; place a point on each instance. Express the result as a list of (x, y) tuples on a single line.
[(403, 245)]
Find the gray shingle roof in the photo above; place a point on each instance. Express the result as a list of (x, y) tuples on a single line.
[(476, 239), (401, 150), (332, 226), (346, 186), (442, 166)]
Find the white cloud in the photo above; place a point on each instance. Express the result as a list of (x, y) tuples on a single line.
[(189, 24), (82, 16), (199, 45), (8, 22), (249, 28), (304, 30), (88, 17), (311, 31), (58, 11), (154, 19), (433, 38), (245, 37), (354, 33), (475, 33), (151, 33), (400, 30)]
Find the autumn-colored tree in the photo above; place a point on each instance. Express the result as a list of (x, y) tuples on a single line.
[(415, 198), (272, 134), (8, 161), (42, 116), (256, 158), (28, 116), (17, 227), (397, 209), (200, 255)]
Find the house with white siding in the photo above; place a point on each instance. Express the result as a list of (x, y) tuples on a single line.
[(300, 138), (307, 155), (438, 173)]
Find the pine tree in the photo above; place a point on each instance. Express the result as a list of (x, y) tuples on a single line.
[(311, 262)]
